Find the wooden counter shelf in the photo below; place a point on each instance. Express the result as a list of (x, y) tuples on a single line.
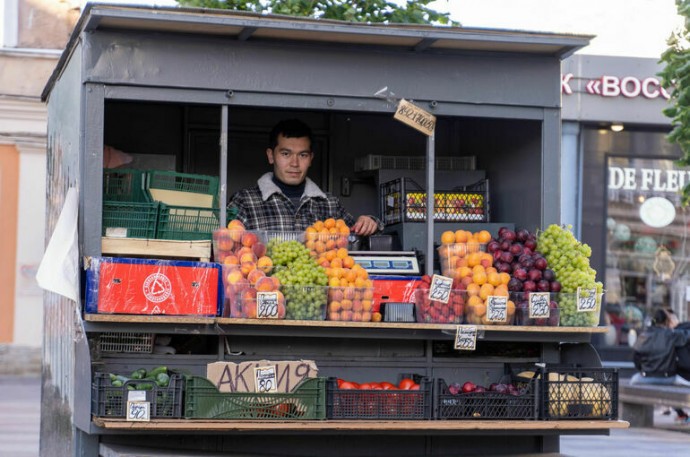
[(236, 326), (423, 426)]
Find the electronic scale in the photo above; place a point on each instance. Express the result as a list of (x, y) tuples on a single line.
[(382, 263)]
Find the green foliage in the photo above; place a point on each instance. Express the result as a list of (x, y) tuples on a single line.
[(369, 11), (675, 77)]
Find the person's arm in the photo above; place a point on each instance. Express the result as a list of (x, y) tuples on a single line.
[(681, 337)]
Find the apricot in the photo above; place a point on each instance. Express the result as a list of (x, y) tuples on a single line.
[(376, 317)]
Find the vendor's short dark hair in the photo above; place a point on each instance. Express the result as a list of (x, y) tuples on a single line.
[(289, 128), (660, 317)]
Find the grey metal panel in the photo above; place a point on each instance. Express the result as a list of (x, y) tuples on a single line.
[(215, 64), (60, 317), (571, 185), (92, 177), (551, 168)]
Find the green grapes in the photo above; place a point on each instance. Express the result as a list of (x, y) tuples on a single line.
[(304, 281), (569, 259)]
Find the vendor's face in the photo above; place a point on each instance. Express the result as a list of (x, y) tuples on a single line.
[(291, 158)]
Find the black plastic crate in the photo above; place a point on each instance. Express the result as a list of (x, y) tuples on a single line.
[(579, 393), (391, 404), (403, 200), (111, 401), (486, 405)]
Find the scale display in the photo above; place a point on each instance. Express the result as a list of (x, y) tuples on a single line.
[(390, 263)]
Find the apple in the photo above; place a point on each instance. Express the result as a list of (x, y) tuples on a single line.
[(479, 389), (468, 387)]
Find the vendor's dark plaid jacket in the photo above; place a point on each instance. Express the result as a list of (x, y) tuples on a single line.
[(265, 207)]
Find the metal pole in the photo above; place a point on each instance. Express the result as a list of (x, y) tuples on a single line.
[(223, 164), (430, 171)]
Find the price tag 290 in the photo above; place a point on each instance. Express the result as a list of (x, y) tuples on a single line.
[(497, 309), (267, 305), (440, 288), (539, 305), (586, 300), (466, 338), (138, 411), (265, 379)]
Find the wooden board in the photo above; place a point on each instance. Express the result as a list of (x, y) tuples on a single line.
[(307, 426), (200, 250), (149, 319)]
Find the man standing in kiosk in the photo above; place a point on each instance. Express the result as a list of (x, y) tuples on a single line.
[(286, 199)]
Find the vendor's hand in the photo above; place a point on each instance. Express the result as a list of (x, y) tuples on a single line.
[(365, 226)]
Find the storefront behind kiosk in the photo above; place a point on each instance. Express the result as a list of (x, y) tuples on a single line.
[(200, 86)]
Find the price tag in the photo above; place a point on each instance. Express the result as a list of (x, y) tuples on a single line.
[(466, 338), (440, 288), (267, 305), (138, 411), (265, 379), (586, 300), (539, 305), (497, 309), (415, 117)]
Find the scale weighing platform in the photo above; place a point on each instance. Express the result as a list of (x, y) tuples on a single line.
[(382, 263)]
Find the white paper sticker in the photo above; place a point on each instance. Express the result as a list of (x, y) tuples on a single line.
[(136, 395), (440, 287), (138, 411), (265, 379), (116, 232), (497, 308), (539, 305), (586, 300), (466, 338), (267, 305)]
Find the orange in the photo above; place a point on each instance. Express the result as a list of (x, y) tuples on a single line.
[(448, 237), (479, 278), (329, 255), (340, 223)]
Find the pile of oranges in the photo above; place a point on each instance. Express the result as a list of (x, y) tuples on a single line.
[(463, 258)]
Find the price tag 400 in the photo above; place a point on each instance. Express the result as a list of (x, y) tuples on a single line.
[(466, 338), (586, 300)]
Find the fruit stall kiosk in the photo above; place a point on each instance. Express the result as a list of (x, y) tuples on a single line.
[(194, 335)]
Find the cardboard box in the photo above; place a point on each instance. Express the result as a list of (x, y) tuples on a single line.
[(143, 286), (260, 375)]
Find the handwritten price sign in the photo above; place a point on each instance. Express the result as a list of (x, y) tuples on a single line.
[(267, 305), (138, 411), (265, 379), (539, 305), (440, 288), (497, 309), (466, 338), (586, 300)]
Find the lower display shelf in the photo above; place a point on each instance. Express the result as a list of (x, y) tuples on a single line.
[(562, 426)]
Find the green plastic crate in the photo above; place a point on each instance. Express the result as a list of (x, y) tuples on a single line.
[(186, 223), (183, 182), (140, 219), (306, 402), (125, 185)]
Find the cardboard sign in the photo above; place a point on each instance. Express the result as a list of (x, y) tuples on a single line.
[(497, 309), (265, 379), (415, 117), (466, 338), (267, 305), (440, 288), (539, 305), (138, 411), (586, 300), (241, 377)]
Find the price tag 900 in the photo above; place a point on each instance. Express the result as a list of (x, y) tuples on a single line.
[(586, 300), (440, 288), (267, 305), (497, 308), (466, 338), (539, 305)]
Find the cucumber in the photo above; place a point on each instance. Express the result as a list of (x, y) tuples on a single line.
[(162, 380), (138, 374), (116, 383), (158, 370)]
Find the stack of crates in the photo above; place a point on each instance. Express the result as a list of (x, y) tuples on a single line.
[(159, 205)]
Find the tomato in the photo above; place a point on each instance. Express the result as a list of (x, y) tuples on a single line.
[(415, 387), (365, 386), (406, 384), (340, 382), (347, 385), (282, 410), (387, 386)]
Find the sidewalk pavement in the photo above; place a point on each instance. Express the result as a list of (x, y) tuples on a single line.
[(20, 398)]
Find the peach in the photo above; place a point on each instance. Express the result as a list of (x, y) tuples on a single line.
[(334, 316), (249, 308), (259, 249), (255, 275), (341, 242), (231, 260), (236, 224), (264, 264), (247, 267), (357, 306), (264, 284), (234, 276), (336, 294), (249, 239), (247, 257), (346, 304), (346, 315), (276, 283)]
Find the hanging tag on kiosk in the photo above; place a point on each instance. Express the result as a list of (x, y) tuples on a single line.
[(466, 338), (539, 305), (586, 300), (415, 117), (265, 379), (267, 305), (497, 308), (440, 287)]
